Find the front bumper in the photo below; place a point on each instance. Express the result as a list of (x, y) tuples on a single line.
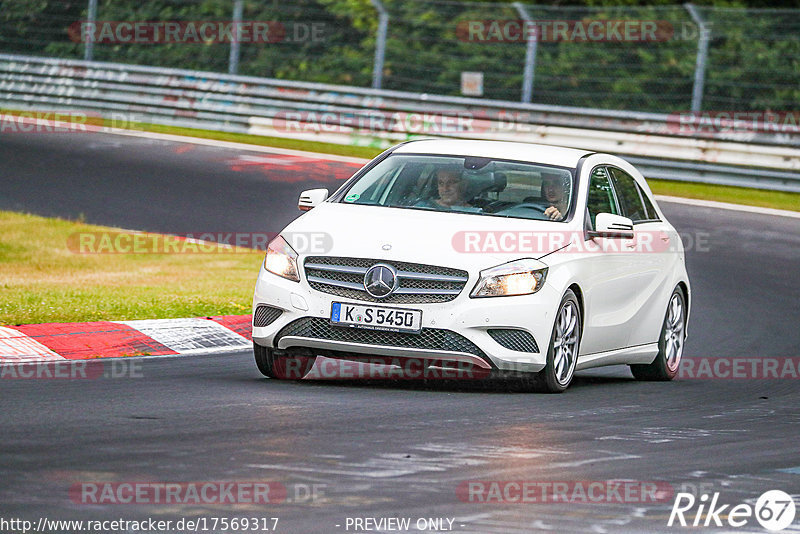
[(455, 331)]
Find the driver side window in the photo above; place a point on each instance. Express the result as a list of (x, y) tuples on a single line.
[(601, 195)]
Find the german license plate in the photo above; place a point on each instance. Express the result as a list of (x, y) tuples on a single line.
[(376, 317)]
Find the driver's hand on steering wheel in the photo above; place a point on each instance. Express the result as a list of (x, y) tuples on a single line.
[(553, 213)]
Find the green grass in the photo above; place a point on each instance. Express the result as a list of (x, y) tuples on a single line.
[(44, 279), (277, 142), (724, 193)]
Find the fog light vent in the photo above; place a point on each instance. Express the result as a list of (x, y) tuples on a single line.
[(266, 315), (514, 339)]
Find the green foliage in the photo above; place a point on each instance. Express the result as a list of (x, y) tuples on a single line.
[(753, 64)]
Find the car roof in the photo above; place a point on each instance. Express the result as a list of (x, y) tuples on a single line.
[(528, 152)]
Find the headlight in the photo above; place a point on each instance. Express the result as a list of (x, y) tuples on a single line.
[(281, 259), (520, 277)]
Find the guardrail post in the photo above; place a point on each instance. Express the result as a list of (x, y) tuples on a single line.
[(380, 44), (91, 18), (233, 58), (530, 53), (702, 56)]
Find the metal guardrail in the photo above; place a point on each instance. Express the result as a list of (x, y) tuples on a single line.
[(361, 116)]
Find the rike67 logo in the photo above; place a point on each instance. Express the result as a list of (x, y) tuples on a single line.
[(774, 510)]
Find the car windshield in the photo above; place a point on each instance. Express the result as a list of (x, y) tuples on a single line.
[(466, 185)]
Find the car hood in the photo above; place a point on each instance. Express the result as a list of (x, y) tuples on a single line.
[(467, 241)]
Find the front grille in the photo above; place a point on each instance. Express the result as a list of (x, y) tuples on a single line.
[(265, 315), (514, 339), (429, 338), (418, 283)]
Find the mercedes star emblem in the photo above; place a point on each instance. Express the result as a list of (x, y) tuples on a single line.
[(380, 280)]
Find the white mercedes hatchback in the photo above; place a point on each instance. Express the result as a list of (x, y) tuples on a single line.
[(511, 258)]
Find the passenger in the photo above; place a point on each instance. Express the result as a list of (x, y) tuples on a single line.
[(554, 193)]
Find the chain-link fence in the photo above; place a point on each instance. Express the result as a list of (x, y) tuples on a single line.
[(645, 58)]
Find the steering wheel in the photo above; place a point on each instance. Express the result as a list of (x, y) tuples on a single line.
[(531, 206)]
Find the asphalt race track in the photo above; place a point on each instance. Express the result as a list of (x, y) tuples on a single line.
[(390, 448)]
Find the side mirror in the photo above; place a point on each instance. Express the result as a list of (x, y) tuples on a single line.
[(609, 225), (311, 198)]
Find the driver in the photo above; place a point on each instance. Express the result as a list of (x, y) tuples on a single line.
[(554, 193), (452, 189)]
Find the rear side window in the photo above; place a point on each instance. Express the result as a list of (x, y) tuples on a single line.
[(652, 214), (629, 195), (601, 195)]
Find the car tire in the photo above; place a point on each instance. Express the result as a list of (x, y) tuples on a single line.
[(670, 343), (279, 366), (562, 352)]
